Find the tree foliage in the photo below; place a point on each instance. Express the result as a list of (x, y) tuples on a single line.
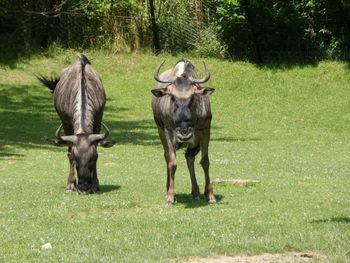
[(318, 28), (239, 29)]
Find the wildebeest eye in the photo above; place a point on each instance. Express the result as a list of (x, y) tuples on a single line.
[(173, 100), (176, 106)]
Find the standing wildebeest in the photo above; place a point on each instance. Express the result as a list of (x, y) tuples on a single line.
[(181, 110), (79, 99)]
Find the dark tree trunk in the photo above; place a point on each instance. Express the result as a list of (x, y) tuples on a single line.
[(250, 20), (156, 43), (343, 16)]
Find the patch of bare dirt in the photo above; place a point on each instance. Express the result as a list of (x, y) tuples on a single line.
[(292, 257), (236, 181)]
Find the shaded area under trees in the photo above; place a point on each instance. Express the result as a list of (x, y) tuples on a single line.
[(237, 29)]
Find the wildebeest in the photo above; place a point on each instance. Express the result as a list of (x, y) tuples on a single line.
[(79, 99), (181, 110)]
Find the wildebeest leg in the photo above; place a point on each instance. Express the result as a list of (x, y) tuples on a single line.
[(95, 183), (208, 190), (71, 182), (170, 158), (190, 157)]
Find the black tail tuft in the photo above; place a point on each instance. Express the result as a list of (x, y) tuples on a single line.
[(84, 60), (50, 83)]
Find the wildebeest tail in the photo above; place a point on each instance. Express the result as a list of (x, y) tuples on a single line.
[(50, 83)]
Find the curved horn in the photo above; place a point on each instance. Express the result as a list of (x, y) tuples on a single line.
[(58, 131), (205, 79), (69, 138), (106, 130), (156, 73), (99, 137)]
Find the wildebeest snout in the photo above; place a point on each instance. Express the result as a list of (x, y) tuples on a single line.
[(184, 133), (85, 181), (183, 125)]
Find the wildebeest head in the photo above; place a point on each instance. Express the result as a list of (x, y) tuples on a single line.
[(183, 91), (84, 154)]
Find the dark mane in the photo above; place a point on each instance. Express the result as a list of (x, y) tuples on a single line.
[(84, 96)]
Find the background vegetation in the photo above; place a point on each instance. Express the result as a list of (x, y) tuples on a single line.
[(304, 28), (236, 29), (286, 126)]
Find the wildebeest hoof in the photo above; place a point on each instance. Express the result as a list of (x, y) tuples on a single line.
[(210, 198), (196, 198), (212, 201), (196, 195), (170, 200), (71, 188), (96, 188)]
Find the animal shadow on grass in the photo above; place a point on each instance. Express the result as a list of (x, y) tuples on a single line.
[(189, 202), (105, 188), (5, 153), (340, 219)]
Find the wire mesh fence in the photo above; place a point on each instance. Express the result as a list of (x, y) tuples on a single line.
[(72, 30), (179, 24)]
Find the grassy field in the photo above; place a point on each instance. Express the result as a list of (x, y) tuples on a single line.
[(286, 126)]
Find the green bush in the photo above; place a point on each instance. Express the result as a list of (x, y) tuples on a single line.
[(208, 44)]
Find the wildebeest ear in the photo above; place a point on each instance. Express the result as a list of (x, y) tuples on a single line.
[(159, 92), (106, 144), (205, 91), (57, 142)]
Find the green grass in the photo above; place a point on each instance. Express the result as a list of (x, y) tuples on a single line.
[(285, 126)]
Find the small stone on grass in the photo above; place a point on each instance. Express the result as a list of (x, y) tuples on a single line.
[(46, 246)]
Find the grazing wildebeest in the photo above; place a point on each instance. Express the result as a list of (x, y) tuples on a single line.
[(79, 99), (181, 110)]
